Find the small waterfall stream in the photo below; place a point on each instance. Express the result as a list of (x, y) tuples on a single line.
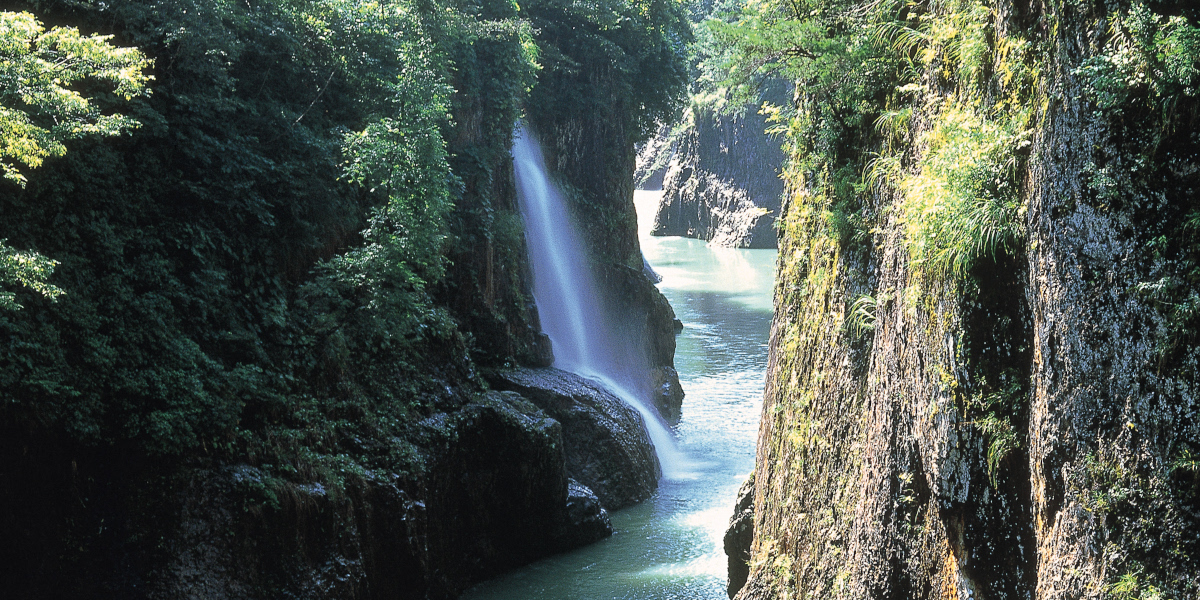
[(569, 306)]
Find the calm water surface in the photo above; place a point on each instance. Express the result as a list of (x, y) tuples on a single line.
[(670, 547)]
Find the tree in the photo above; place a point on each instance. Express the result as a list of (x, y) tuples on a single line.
[(40, 110)]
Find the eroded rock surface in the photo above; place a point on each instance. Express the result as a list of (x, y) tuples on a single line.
[(1012, 431), (606, 444), (721, 181), (495, 496), (739, 536)]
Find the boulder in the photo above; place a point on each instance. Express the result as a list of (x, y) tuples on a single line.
[(605, 440), (739, 536), (668, 393), (587, 521)]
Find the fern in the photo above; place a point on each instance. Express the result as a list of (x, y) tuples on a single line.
[(1001, 441), (963, 204), (864, 312)]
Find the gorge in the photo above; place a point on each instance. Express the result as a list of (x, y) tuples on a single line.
[(275, 318)]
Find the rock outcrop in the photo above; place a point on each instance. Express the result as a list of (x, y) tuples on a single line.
[(606, 445), (739, 536), (721, 181), (496, 495)]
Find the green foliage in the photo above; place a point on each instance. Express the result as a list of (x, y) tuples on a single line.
[(285, 263), (29, 269), (1151, 527), (864, 312), (404, 160), (623, 58), (1001, 441), (1149, 57), (964, 205), (250, 270), (1127, 587), (39, 109)]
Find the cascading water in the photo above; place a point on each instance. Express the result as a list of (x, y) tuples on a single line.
[(564, 289)]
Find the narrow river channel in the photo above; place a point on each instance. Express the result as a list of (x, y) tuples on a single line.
[(670, 547)]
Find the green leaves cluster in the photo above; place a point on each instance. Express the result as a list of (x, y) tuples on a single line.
[(1148, 56), (625, 57), (256, 260), (39, 107), (963, 205), (29, 269), (39, 111)]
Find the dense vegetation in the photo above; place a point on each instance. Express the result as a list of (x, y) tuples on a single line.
[(267, 220)]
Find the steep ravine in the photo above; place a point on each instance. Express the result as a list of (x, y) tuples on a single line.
[(720, 177), (1025, 427)]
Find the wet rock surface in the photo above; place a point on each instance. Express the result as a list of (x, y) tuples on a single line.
[(605, 441), (668, 393), (496, 493), (587, 521)]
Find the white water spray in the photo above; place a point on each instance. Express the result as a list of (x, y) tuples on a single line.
[(566, 295)]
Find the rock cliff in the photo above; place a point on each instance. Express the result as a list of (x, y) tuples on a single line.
[(720, 178), (1022, 421)]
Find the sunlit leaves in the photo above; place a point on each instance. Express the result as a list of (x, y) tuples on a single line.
[(40, 109), (26, 268), (39, 105), (402, 159), (963, 204)]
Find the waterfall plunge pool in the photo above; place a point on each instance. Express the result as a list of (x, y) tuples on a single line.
[(670, 546)]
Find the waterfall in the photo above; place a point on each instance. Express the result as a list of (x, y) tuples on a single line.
[(568, 302)]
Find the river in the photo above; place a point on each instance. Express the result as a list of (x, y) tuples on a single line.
[(670, 547)]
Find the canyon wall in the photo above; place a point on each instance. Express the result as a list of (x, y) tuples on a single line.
[(983, 364), (720, 176)]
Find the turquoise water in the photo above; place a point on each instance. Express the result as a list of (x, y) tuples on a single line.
[(670, 547)]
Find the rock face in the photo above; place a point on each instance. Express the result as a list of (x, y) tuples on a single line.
[(739, 536), (606, 445), (878, 473), (721, 182), (496, 495), (492, 493)]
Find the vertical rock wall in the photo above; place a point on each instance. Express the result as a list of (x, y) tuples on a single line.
[(879, 477), (720, 178)]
